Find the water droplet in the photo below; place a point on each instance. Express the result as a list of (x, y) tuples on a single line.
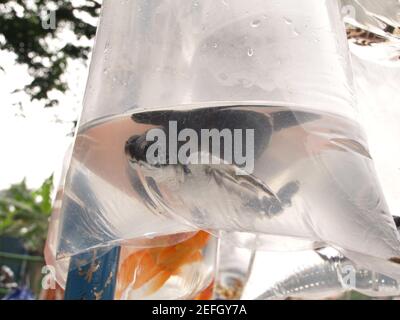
[(255, 24), (107, 47), (296, 33), (288, 21), (250, 52), (246, 83), (223, 76), (215, 45)]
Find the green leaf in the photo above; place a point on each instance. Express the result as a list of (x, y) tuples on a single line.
[(23, 216), (28, 40)]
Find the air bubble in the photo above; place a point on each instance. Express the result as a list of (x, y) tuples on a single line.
[(255, 24), (288, 21)]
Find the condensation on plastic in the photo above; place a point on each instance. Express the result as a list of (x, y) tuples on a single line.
[(284, 65), (164, 53)]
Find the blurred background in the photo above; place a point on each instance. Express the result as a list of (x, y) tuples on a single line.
[(45, 49), (44, 52)]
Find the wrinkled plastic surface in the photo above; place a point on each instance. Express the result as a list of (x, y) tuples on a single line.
[(276, 273), (325, 275), (280, 68), (235, 264), (50, 251), (374, 29), (378, 94)]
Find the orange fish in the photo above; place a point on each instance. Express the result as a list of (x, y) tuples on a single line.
[(207, 293), (159, 264)]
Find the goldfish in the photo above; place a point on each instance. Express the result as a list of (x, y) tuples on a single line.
[(207, 293), (155, 266)]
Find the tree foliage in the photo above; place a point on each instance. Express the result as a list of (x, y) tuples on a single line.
[(22, 32), (25, 213)]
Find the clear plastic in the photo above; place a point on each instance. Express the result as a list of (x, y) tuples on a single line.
[(60, 266), (235, 264), (180, 271), (167, 53), (327, 275), (279, 68), (373, 28)]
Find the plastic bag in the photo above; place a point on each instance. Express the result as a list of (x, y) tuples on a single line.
[(277, 74), (373, 28)]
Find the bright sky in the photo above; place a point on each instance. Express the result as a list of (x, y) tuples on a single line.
[(33, 140)]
